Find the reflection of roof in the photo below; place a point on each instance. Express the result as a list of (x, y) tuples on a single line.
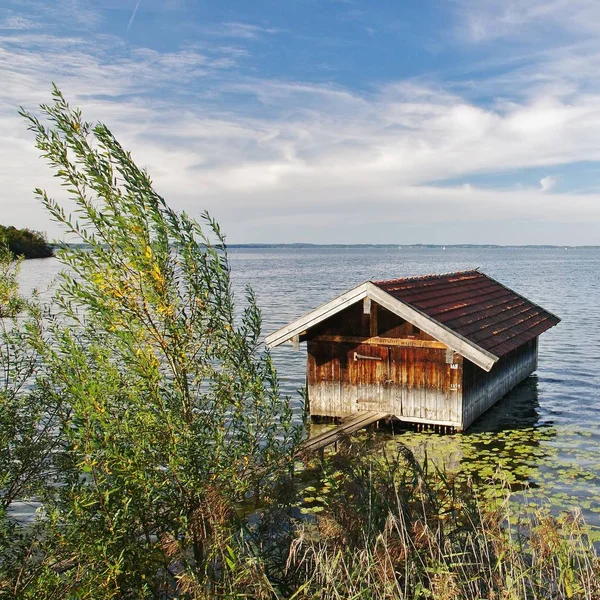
[(475, 306), (468, 311)]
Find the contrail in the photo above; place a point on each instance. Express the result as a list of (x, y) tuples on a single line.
[(137, 5)]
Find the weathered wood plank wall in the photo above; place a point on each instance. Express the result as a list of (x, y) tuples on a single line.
[(482, 389), (367, 358), (411, 383)]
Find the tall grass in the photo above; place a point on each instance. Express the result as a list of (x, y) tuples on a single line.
[(389, 528)]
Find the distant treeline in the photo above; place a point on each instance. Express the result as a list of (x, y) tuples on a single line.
[(301, 246), (25, 242)]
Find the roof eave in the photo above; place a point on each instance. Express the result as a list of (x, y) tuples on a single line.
[(316, 316)]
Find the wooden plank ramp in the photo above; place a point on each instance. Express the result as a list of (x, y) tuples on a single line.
[(347, 427)]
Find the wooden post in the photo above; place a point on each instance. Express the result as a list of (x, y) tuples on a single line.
[(306, 396), (373, 324)]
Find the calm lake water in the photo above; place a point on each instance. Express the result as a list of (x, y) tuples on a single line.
[(545, 434)]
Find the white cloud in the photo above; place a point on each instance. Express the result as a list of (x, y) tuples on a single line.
[(486, 20), (236, 29), (82, 12), (310, 157), (16, 23), (79, 14), (547, 183)]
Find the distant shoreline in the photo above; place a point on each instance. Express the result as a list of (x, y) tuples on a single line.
[(410, 246), (300, 245)]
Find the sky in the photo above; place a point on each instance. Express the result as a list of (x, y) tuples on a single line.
[(325, 121)]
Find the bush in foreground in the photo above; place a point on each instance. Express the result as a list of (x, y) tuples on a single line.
[(170, 416)]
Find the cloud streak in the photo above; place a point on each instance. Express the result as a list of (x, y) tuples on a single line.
[(132, 19), (488, 20), (547, 183), (238, 30)]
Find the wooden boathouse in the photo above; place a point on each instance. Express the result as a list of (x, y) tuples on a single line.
[(437, 349)]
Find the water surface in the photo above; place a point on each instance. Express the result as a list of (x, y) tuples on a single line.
[(545, 433)]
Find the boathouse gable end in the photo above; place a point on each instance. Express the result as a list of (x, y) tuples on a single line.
[(396, 306), (439, 349)]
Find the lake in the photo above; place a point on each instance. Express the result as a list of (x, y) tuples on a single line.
[(545, 433)]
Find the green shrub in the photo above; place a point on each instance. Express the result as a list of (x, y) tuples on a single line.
[(171, 415), (11, 302), (29, 429)]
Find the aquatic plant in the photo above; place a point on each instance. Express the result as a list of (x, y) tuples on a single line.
[(389, 527), (526, 460)]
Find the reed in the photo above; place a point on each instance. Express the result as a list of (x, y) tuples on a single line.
[(391, 528)]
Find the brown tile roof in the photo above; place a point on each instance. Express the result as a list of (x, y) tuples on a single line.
[(474, 306)]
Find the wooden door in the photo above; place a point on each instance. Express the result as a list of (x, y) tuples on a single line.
[(364, 378), (419, 384), (324, 367), (397, 380)]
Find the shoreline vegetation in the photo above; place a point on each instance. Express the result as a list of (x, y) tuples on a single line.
[(140, 410), (25, 242)]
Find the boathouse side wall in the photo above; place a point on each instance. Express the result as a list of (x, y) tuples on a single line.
[(481, 389)]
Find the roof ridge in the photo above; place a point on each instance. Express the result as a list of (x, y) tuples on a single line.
[(429, 276)]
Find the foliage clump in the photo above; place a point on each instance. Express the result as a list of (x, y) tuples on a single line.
[(29, 429), (25, 242), (169, 413), (11, 303), (388, 527)]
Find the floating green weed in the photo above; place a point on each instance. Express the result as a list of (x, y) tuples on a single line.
[(559, 466)]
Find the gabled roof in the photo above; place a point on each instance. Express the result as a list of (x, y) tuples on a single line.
[(471, 313), (475, 306)]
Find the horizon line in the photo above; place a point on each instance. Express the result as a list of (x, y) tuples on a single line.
[(58, 243), (392, 245)]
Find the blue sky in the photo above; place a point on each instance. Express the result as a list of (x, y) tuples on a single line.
[(326, 121)]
